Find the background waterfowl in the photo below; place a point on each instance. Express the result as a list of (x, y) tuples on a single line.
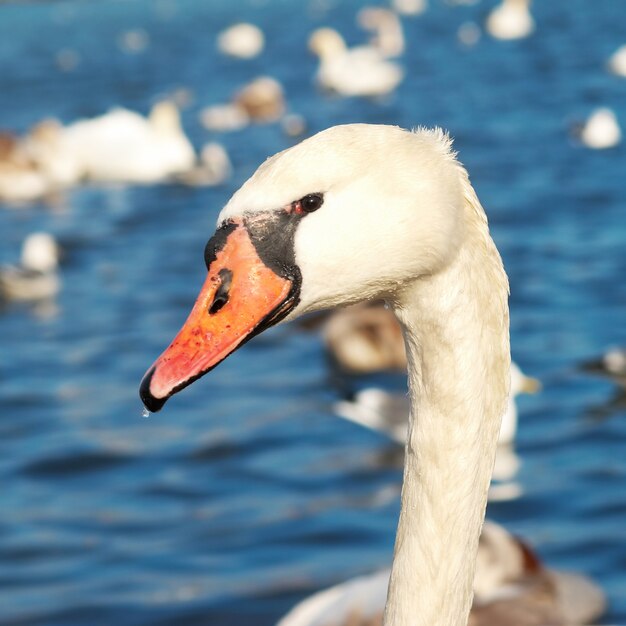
[(36, 277), (261, 100), (364, 338), (388, 412), (511, 588), (124, 146), (359, 71)]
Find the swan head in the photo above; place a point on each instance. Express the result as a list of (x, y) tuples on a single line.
[(352, 213)]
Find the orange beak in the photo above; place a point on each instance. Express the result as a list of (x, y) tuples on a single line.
[(241, 296)]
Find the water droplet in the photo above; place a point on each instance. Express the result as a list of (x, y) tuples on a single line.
[(145, 412)]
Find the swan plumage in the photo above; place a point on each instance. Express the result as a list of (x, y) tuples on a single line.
[(363, 212)]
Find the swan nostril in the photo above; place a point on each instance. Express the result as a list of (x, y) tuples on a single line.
[(222, 292)]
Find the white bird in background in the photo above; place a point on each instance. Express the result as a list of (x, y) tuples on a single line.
[(511, 588), (601, 130), (359, 71), (388, 413), (36, 277), (511, 19), (243, 41), (364, 212), (120, 146), (124, 146)]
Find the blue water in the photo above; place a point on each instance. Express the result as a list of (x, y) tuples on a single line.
[(246, 493)]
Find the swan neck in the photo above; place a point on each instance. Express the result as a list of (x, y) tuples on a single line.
[(455, 325)]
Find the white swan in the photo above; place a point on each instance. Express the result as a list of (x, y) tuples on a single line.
[(124, 146), (360, 71), (357, 212), (36, 277), (511, 588), (511, 20)]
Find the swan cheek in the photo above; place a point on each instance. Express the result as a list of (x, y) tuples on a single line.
[(241, 296)]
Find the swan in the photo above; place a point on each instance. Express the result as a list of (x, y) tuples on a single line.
[(387, 413), (360, 71), (511, 20), (36, 277), (511, 588), (362, 212), (124, 146)]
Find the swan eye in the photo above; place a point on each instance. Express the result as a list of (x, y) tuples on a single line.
[(309, 203)]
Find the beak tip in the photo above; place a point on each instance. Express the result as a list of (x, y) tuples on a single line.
[(151, 403)]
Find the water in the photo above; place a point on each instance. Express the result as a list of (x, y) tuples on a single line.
[(246, 494)]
